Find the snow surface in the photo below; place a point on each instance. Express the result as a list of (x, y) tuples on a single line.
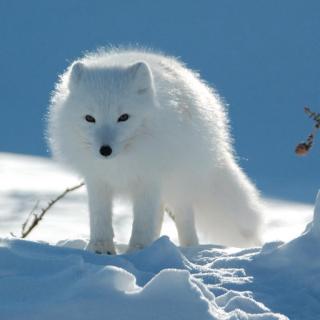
[(58, 279)]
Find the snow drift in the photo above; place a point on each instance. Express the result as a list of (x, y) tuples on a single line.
[(277, 281)]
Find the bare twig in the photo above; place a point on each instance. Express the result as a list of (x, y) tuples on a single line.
[(28, 226), (31, 213), (304, 147)]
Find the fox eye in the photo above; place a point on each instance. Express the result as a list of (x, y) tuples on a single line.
[(123, 117), (90, 118)]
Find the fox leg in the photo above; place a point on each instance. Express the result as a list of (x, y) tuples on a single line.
[(183, 216), (100, 207), (147, 219)]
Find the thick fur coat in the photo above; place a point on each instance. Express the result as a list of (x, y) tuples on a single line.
[(141, 125)]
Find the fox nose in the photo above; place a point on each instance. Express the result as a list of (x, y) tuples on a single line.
[(105, 151)]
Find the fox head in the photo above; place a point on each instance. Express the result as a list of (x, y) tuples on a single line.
[(109, 106)]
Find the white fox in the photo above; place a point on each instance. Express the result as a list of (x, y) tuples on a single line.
[(140, 125)]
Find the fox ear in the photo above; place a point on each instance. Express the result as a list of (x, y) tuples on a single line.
[(142, 77), (76, 73)]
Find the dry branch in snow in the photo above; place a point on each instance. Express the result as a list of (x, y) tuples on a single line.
[(34, 218)]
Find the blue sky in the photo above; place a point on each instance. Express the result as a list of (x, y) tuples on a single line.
[(262, 56)]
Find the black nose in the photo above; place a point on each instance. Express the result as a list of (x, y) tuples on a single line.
[(105, 151)]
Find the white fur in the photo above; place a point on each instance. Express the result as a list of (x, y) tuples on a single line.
[(174, 152)]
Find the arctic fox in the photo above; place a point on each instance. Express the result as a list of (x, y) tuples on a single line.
[(141, 125)]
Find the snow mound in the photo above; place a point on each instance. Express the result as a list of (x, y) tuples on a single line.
[(278, 281), (41, 281)]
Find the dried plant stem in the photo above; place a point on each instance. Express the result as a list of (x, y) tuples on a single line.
[(28, 226), (303, 148)]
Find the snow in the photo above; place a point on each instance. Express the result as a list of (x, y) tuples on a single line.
[(47, 277), (145, 285)]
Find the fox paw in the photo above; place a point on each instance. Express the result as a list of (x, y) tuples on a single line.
[(101, 247)]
